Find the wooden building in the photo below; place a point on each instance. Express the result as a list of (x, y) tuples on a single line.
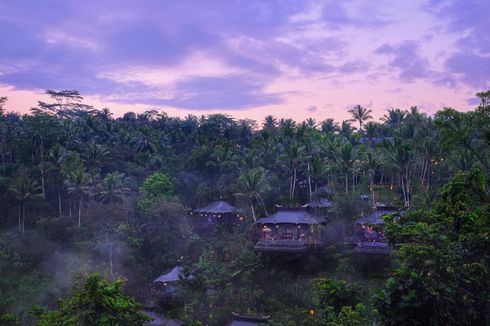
[(368, 232), (217, 212), (288, 230), (166, 286)]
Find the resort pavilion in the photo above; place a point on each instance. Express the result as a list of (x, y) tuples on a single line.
[(166, 285), (217, 212), (289, 229), (369, 232)]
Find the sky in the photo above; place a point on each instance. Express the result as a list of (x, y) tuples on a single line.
[(247, 58)]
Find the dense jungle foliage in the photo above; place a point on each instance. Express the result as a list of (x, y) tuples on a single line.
[(83, 192)]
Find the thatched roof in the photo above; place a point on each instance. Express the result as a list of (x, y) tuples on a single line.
[(320, 203), (289, 215), (239, 320), (216, 207), (377, 217), (171, 276)]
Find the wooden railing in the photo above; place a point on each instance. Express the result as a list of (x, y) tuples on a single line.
[(283, 245), (381, 248)]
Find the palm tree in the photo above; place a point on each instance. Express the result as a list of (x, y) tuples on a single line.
[(329, 126), (360, 115), (113, 189), (24, 189), (316, 230), (399, 155), (245, 265), (346, 129), (318, 170), (3, 100), (370, 130), (394, 117), (310, 122), (270, 123), (253, 183), (146, 141), (78, 187), (346, 156), (291, 160), (371, 165), (57, 157)]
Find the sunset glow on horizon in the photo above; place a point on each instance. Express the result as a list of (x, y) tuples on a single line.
[(248, 59)]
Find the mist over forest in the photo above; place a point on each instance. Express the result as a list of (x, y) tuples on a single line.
[(207, 219)]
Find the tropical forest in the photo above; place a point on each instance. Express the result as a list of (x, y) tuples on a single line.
[(152, 219)]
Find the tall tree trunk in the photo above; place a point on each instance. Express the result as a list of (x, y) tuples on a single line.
[(59, 200), (19, 210), (3, 163), (309, 181), (294, 183), (262, 203), (80, 212), (23, 217), (371, 177), (253, 210), (408, 175), (346, 182), (43, 187), (353, 180), (428, 177), (41, 154), (402, 185), (109, 247)]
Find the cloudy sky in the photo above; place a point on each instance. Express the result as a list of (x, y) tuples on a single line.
[(247, 58)]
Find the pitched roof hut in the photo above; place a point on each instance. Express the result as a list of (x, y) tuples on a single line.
[(288, 230), (289, 216), (216, 212), (369, 234), (166, 285), (172, 276), (319, 203), (377, 217), (216, 207)]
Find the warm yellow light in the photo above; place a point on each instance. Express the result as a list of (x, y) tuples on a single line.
[(312, 312)]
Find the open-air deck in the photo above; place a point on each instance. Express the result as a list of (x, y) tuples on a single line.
[(282, 245), (368, 236), (380, 248), (288, 230)]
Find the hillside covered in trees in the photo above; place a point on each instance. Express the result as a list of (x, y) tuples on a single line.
[(84, 192)]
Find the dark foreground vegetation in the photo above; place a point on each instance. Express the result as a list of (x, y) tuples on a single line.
[(82, 192)]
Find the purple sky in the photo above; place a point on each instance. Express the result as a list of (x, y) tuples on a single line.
[(248, 58)]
